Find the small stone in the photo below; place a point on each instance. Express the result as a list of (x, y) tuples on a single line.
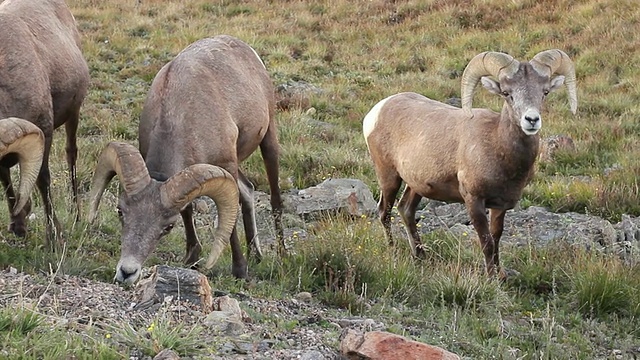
[(167, 354), (312, 355), (304, 296)]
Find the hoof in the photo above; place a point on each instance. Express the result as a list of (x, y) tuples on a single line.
[(19, 230), (240, 271)]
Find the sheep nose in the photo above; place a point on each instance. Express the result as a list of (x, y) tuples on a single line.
[(532, 119), (127, 275)]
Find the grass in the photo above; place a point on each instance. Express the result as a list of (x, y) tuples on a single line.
[(566, 303)]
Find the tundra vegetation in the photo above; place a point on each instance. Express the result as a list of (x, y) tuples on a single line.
[(566, 302)]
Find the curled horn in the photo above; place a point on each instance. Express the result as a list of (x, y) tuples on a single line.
[(205, 180), (120, 159), (556, 61), (27, 141), (483, 64)]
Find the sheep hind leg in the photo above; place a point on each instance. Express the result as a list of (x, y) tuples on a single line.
[(407, 209), (269, 150), (249, 217), (71, 129), (388, 190), (53, 233), (496, 227), (477, 213), (194, 247)]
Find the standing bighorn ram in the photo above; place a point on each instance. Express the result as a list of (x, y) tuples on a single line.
[(212, 104), (43, 79), (476, 156)]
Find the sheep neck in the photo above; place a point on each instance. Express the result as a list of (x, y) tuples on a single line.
[(520, 150)]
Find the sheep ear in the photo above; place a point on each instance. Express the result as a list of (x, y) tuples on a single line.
[(490, 84), (556, 83)]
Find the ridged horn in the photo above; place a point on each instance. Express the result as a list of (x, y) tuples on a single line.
[(483, 64), (556, 61), (205, 180), (121, 159), (26, 140)]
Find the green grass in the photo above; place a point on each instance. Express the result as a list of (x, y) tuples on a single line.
[(566, 303)]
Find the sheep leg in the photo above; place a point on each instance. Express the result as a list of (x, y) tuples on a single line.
[(249, 216), (269, 150), (44, 185), (389, 186), (497, 226), (239, 263), (71, 129), (477, 213), (407, 209), (193, 244), (18, 224)]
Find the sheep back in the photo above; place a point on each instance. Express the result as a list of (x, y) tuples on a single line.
[(213, 97), (49, 43)]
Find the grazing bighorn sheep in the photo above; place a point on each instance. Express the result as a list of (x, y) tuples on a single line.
[(212, 104), (476, 156), (43, 79)]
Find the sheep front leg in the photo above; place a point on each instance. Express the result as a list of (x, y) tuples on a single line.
[(193, 245), (389, 186), (407, 209), (18, 222), (497, 226), (477, 213)]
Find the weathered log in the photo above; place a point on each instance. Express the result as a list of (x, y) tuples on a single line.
[(179, 283)]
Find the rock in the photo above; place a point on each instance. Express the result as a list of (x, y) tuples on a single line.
[(226, 317), (178, 283), (167, 354), (304, 296), (380, 345), (295, 95), (535, 224), (542, 226), (311, 355), (226, 303), (550, 145), (225, 322), (350, 196)]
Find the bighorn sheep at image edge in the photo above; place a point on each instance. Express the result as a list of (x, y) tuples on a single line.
[(212, 104), (478, 157), (43, 79)]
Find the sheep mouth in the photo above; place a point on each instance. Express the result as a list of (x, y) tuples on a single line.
[(530, 130)]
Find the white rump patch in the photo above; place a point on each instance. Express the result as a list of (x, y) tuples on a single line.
[(370, 120)]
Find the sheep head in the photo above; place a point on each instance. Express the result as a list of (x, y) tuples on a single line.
[(523, 85), (26, 140), (149, 208)]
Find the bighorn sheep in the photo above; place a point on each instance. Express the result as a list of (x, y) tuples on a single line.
[(43, 79), (479, 157), (212, 104)]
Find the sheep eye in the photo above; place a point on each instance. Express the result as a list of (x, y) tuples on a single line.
[(120, 215), (546, 92), (505, 93)]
